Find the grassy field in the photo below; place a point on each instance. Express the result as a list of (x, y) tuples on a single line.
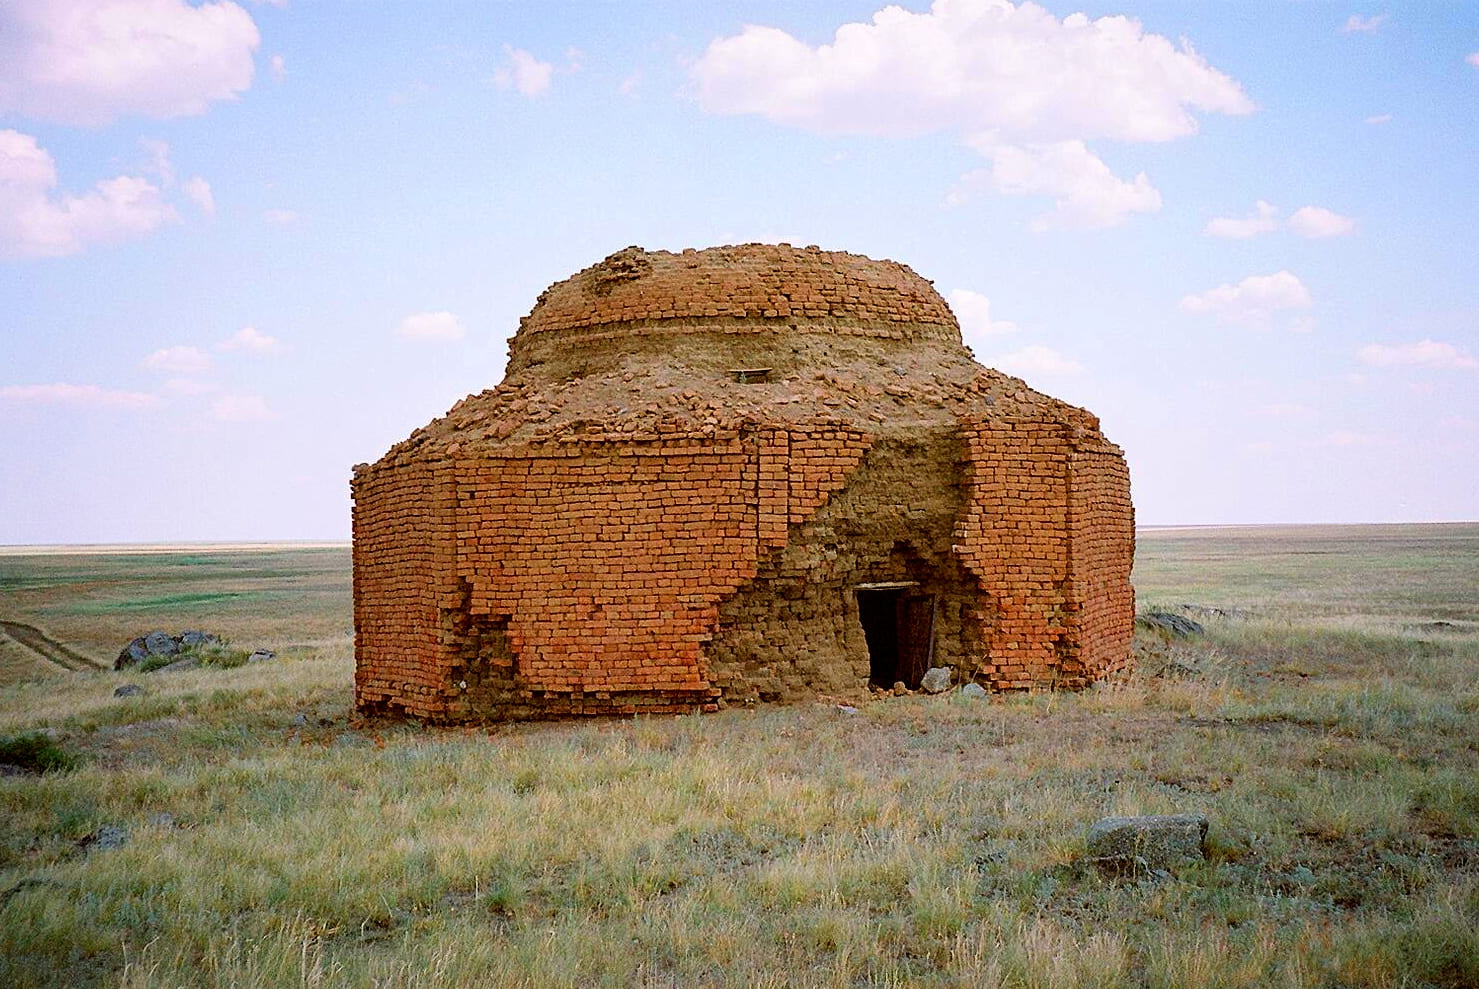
[(1327, 723)]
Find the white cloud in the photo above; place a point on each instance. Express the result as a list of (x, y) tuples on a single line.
[(279, 67), (86, 395), (974, 312), (179, 360), (1253, 301), (1262, 220), (1346, 437), (88, 62), (1307, 221), (1285, 410), (631, 83), (1473, 59), (1380, 118), (1424, 353), (1356, 24), (975, 66), (523, 72), (1035, 360), (36, 223), (1316, 221), (251, 340), (198, 191), (432, 326), (241, 408), (1087, 195), (1019, 85), (280, 217)]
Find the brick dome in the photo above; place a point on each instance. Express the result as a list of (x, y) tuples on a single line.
[(734, 475)]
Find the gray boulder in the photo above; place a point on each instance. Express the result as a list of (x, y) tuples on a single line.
[(261, 656), (973, 690), (1143, 844), (180, 665), (128, 690), (105, 838), (191, 639), (132, 654), (1170, 623), (161, 644), (937, 680)]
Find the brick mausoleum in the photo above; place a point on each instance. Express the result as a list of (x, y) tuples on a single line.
[(737, 474)]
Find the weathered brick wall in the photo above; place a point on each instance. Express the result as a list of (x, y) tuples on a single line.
[(793, 631), (405, 556), (633, 290), (1102, 551), (1014, 539), (1049, 535), (585, 577)]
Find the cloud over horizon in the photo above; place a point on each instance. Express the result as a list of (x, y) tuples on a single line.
[(60, 393), (1016, 84), (89, 63), (523, 73), (1424, 353), (1253, 302), (1310, 222)]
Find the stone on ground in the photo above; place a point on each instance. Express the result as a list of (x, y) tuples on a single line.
[(973, 690), (128, 690), (1166, 621), (937, 680), (1148, 843)]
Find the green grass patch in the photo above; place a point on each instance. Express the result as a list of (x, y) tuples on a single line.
[(37, 752), (192, 600)]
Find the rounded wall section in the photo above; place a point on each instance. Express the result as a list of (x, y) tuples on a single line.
[(751, 288)]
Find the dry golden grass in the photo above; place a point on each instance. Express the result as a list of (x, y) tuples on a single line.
[(921, 841)]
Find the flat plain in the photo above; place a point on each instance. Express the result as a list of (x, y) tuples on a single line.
[(1327, 722)]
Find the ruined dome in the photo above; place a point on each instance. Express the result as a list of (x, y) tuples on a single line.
[(751, 289), (731, 475), (652, 341)]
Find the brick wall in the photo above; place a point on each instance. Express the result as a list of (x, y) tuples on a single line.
[(1102, 551), (577, 578), (1049, 535), (405, 557)]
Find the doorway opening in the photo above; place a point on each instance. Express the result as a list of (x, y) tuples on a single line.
[(898, 622)]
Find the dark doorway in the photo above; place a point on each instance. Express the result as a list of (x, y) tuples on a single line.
[(899, 624)]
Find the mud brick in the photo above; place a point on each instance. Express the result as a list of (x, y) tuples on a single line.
[(532, 556)]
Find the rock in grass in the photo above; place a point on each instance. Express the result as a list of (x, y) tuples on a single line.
[(261, 656), (937, 680), (1142, 844), (973, 690), (1165, 621), (132, 654), (128, 690), (191, 639), (104, 839), (161, 644), (180, 665)]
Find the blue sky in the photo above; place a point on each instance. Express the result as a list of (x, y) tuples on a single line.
[(246, 246)]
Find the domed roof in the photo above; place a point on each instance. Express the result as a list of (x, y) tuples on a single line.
[(760, 287), (710, 342)]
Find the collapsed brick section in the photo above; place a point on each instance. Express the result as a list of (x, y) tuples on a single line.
[(628, 525)]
